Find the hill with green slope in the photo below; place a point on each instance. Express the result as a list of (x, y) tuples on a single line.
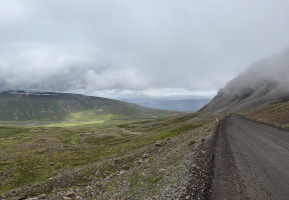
[(25, 106)]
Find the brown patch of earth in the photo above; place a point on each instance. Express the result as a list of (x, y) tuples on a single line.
[(273, 114)]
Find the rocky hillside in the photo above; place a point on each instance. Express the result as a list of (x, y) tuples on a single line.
[(22, 106), (264, 82)]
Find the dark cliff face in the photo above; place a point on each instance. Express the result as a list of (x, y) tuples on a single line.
[(264, 82)]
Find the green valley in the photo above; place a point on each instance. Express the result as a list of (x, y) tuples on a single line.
[(90, 145)]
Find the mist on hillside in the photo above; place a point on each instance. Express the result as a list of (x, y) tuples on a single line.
[(268, 73), (265, 81), (63, 46)]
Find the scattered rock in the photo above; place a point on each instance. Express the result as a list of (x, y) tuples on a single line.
[(98, 174), (152, 124), (158, 144), (194, 165), (136, 163), (121, 172), (140, 161), (33, 198), (162, 170), (125, 167), (188, 197), (109, 176), (67, 198), (97, 183), (70, 194), (42, 196), (145, 155)]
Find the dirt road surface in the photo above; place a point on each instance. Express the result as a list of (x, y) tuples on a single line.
[(251, 161)]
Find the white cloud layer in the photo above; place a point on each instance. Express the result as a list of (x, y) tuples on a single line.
[(154, 94), (145, 45)]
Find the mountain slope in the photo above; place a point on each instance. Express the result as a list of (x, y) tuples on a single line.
[(265, 81), (22, 106)]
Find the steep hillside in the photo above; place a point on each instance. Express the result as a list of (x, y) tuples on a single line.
[(275, 114), (22, 106), (265, 81)]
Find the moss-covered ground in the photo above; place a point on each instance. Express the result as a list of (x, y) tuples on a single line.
[(32, 156)]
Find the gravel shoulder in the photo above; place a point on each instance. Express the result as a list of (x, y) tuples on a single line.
[(251, 161)]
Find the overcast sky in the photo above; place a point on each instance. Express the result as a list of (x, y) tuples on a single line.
[(136, 48)]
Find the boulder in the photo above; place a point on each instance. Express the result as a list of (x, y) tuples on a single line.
[(145, 155), (158, 144)]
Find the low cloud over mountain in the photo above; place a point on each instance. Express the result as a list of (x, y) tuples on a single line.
[(135, 45), (265, 81)]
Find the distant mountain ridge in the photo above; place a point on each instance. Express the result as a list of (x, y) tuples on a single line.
[(51, 106), (175, 105), (264, 82)]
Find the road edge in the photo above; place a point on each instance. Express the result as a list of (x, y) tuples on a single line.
[(202, 170)]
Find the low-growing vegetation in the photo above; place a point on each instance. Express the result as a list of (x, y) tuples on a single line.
[(81, 153), (192, 142), (179, 130)]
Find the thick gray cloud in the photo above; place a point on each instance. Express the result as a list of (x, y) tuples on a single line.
[(135, 45)]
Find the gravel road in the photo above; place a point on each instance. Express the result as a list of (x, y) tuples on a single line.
[(251, 161)]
